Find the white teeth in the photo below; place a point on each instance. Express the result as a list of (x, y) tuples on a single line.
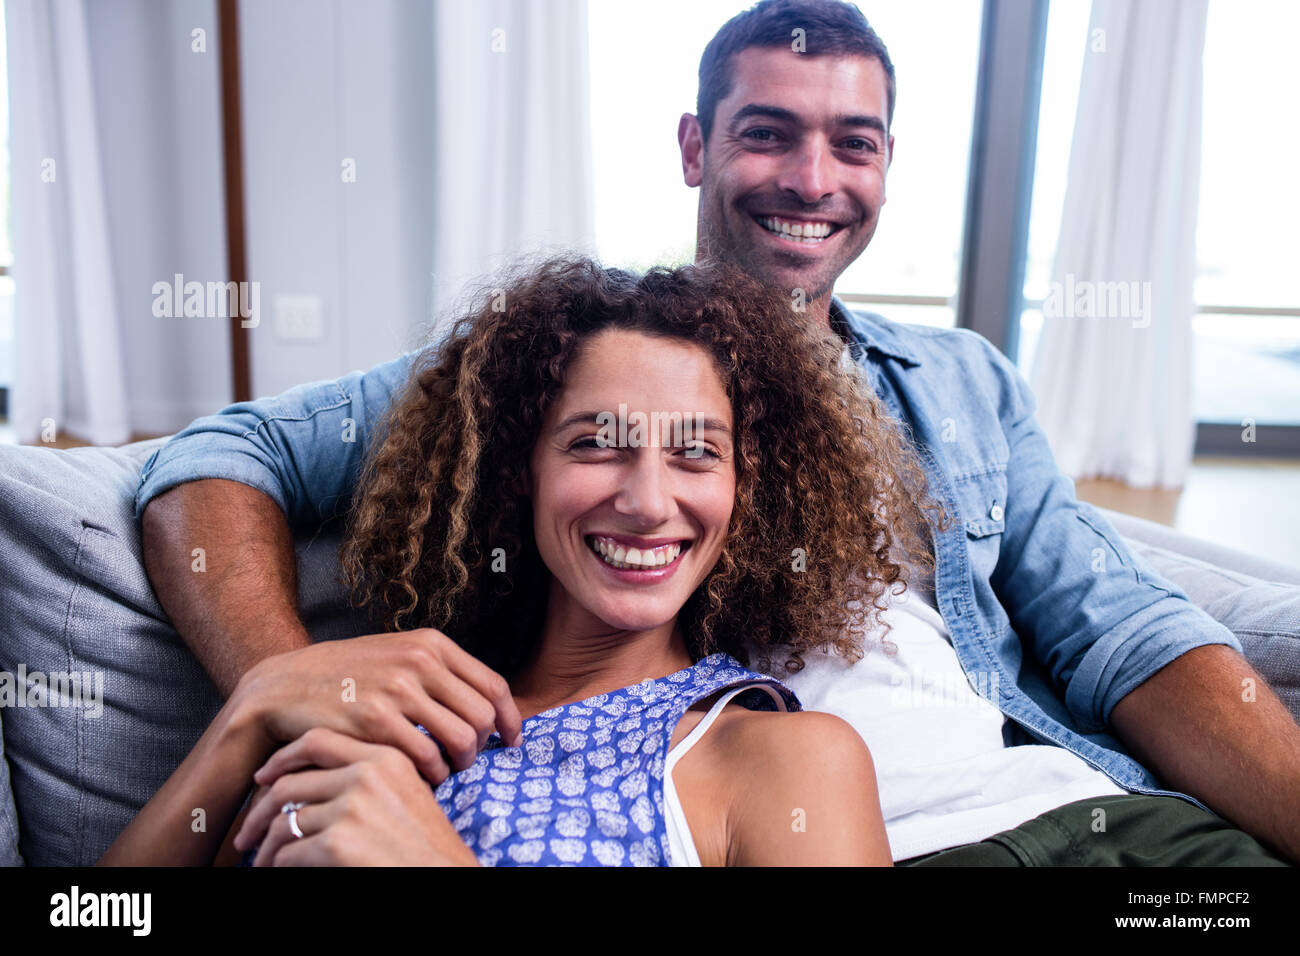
[(805, 232), (617, 556)]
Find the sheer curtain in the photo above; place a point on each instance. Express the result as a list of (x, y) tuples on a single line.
[(1114, 362), (67, 336), (505, 93), (512, 136)]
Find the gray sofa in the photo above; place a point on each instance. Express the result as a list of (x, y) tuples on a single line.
[(74, 601)]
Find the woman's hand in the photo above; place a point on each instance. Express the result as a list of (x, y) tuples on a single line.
[(376, 688), (365, 806)]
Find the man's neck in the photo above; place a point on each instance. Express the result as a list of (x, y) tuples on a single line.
[(819, 311), (837, 321)]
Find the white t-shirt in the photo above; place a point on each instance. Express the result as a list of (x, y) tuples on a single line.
[(944, 773)]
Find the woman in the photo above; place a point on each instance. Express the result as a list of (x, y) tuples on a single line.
[(613, 491)]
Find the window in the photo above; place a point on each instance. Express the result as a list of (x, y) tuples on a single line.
[(1247, 330), (644, 76), (910, 270), (1247, 326), (1067, 35), (644, 60)]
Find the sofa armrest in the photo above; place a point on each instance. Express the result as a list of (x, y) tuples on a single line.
[(1257, 599), (77, 608), (1148, 534)]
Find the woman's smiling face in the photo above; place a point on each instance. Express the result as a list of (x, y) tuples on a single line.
[(630, 530)]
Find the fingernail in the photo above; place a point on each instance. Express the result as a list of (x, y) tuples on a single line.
[(519, 740)]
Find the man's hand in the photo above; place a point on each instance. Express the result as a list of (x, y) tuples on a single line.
[(376, 688), (1208, 725), (220, 557), (365, 806)]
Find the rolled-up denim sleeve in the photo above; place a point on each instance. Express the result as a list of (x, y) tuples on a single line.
[(1097, 617), (303, 448)]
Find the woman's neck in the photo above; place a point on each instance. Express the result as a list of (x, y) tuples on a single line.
[(579, 657)]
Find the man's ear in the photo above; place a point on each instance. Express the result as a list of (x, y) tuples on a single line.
[(889, 161), (691, 142)]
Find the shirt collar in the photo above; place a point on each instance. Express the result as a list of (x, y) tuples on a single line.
[(866, 331)]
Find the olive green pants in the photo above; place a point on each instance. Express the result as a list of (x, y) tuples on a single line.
[(1129, 830)]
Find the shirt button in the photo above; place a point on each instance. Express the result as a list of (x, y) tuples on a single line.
[(996, 512)]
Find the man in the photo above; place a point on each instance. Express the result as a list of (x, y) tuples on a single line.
[(1071, 658)]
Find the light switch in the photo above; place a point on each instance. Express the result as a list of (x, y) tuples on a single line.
[(299, 318)]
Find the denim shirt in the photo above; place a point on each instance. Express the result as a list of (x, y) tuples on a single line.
[(1052, 616)]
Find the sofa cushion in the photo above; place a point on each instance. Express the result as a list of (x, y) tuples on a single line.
[(124, 700)]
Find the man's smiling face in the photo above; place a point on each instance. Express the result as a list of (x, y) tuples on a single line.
[(793, 175)]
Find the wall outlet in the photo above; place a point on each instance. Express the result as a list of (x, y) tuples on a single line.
[(299, 318)]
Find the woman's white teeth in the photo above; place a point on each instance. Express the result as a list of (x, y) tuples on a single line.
[(620, 556), (796, 231)]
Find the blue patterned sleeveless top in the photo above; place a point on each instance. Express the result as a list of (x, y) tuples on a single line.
[(587, 786)]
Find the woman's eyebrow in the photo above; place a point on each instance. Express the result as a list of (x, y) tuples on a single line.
[(715, 425), (697, 421), (578, 418), (680, 427)]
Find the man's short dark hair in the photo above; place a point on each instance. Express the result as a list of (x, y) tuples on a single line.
[(829, 27)]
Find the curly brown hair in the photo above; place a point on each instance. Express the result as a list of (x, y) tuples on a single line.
[(821, 471)]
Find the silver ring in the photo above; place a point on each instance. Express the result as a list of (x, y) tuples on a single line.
[(292, 810)]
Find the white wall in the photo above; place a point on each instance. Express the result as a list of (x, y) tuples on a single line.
[(325, 81), (160, 139), (322, 80)]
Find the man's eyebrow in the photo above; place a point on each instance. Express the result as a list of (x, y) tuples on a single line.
[(763, 110), (861, 119), (789, 116)]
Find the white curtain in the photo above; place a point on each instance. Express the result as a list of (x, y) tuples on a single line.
[(512, 136), (67, 335), (1114, 361)]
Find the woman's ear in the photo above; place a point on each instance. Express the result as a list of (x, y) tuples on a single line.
[(523, 485)]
